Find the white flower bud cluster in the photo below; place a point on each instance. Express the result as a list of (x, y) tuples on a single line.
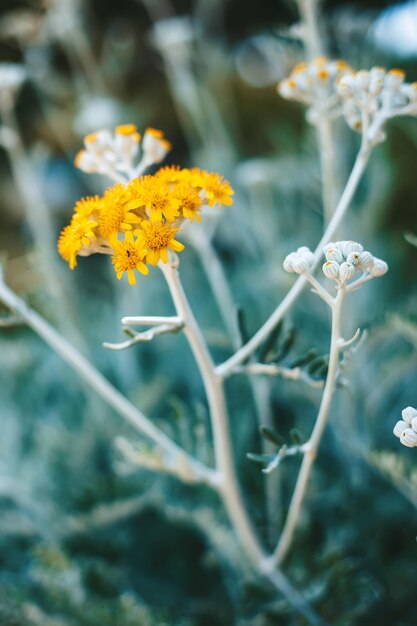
[(376, 92), (109, 152), (300, 261), (345, 259), (406, 428), (315, 83)]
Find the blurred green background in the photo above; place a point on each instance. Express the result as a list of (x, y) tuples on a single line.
[(86, 537)]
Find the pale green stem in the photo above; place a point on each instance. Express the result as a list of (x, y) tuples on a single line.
[(316, 435)]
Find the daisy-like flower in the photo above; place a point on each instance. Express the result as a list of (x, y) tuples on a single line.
[(116, 214), (172, 174), (88, 207), (156, 239), (76, 238), (190, 201), (127, 257), (152, 194), (217, 190)]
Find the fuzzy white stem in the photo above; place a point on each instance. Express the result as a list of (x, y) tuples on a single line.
[(178, 461), (246, 350), (312, 37), (319, 289), (229, 488), (151, 320), (315, 438)]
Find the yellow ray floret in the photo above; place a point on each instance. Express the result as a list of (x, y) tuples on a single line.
[(156, 238), (127, 257)]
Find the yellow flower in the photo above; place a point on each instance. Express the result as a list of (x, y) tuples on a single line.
[(89, 206), (171, 174), (216, 188), (76, 237), (116, 215), (153, 194), (156, 238), (128, 256), (190, 201)]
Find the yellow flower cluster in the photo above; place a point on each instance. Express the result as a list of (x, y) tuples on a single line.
[(137, 222)]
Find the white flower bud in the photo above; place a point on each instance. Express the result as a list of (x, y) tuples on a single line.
[(354, 258), (408, 438), (306, 254), (99, 143), (328, 246), (334, 254), (288, 262), (351, 246), (86, 162), (366, 260), (376, 86), (287, 88), (408, 414), (362, 80), (379, 268), (346, 271), (399, 427), (377, 73), (155, 147), (394, 79), (414, 424), (300, 265), (346, 87), (331, 270)]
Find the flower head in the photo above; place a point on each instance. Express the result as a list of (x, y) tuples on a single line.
[(76, 238), (116, 216), (314, 83), (190, 201), (347, 259), (155, 197), (372, 97), (215, 188), (127, 257), (156, 239), (137, 221)]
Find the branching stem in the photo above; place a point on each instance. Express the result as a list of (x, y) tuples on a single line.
[(316, 435), (245, 351)]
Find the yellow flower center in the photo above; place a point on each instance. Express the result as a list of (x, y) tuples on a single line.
[(111, 219), (126, 256), (158, 236)]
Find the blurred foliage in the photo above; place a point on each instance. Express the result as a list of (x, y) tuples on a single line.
[(85, 538)]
